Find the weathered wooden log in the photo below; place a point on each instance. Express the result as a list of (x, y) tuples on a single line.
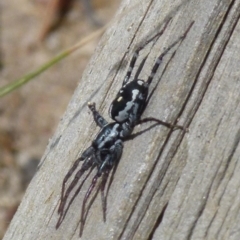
[(168, 184)]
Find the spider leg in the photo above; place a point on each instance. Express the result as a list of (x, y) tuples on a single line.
[(99, 120), (150, 78), (104, 203), (88, 207), (110, 181), (140, 67), (136, 54), (89, 191), (166, 124), (64, 212), (160, 58), (156, 86), (86, 154), (116, 152), (105, 167)]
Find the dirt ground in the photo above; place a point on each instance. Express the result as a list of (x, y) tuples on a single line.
[(29, 116)]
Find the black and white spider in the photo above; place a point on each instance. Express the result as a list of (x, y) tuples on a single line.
[(106, 149)]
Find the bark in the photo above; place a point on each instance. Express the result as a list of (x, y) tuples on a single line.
[(168, 185)]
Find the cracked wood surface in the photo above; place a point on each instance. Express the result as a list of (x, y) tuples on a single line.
[(168, 185)]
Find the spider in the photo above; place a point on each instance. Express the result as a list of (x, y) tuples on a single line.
[(106, 149)]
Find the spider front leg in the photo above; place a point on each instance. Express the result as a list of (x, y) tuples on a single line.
[(89, 191), (87, 195), (103, 197), (116, 153), (64, 195), (111, 159), (65, 210)]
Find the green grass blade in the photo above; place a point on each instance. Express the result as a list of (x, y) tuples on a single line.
[(23, 80)]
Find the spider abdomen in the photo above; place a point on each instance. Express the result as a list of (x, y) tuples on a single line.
[(130, 101)]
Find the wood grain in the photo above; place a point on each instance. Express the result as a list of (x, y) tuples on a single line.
[(168, 185)]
